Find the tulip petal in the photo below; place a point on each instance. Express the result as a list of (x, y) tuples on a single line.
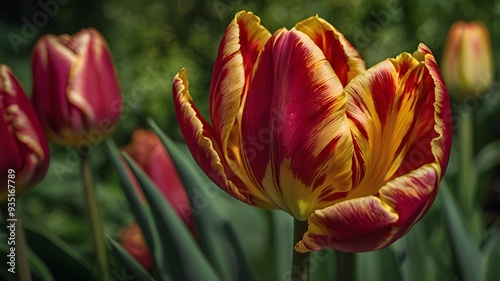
[(359, 224), (373, 222), (238, 51), (410, 184), (51, 61), (345, 60), (296, 134), (397, 111), (25, 149), (93, 83), (200, 141)]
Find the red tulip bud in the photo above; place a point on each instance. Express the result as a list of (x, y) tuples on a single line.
[(24, 149), (150, 154), (76, 91), (132, 240)]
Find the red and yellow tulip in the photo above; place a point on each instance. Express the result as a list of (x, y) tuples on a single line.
[(75, 87), (24, 149), (299, 124)]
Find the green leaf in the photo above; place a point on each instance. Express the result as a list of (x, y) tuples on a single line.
[(128, 268), (488, 157), (144, 220), (203, 195), (492, 254), (38, 267), (244, 270), (418, 264), (378, 265), (63, 262), (465, 250), (183, 255)]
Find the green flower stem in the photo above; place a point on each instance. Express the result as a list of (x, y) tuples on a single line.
[(22, 266), (300, 262), (466, 172), (94, 219), (467, 177), (345, 266)]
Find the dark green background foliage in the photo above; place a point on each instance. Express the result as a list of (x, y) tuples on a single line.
[(152, 40)]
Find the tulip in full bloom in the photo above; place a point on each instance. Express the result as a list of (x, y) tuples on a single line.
[(299, 124), (468, 60), (148, 151), (75, 88), (25, 152)]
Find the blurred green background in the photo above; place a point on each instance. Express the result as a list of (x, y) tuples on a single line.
[(152, 40)]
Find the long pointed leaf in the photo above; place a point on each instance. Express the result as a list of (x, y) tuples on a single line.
[(418, 264), (139, 209), (63, 262), (244, 270), (465, 250), (492, 254), (203, 195), (38, 267), (182, 253), (131, 270)]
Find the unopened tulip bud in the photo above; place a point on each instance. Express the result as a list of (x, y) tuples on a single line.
[(24, 149), (132, 240), (468, 60), (76, 90), (148, 151)]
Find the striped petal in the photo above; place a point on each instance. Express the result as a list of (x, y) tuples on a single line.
[(396, 111), (345, 60), (201, 142), (238, 51), (410, 183), (373, 222), (297, 145)]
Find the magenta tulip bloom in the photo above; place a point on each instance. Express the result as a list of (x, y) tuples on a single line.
[(75, 87), (24, 149)]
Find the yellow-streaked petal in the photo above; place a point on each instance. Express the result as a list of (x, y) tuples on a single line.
[(345, 60), (392, 109), (295, 132), (238, 51), (199, 137), (373, 222), (359, 224)]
